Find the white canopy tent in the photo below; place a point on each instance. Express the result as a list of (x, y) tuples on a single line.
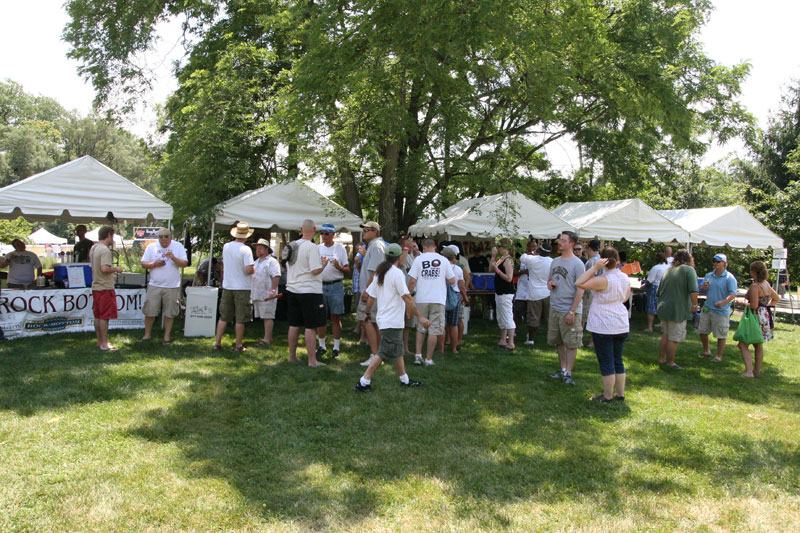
[(730, 226), (509, 214), (42, 236), (615, 220), (283, 207), (80, 191), (94, 235)]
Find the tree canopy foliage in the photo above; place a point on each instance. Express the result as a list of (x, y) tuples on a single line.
[(407, 106), (37, 133)]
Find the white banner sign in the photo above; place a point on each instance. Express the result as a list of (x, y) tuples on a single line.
[(42, 312), (780, 253), (779, 264)]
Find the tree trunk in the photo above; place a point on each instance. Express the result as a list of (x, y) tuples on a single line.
[(347, 180), (386, 213)]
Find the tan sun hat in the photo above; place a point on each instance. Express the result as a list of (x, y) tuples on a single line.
[(241, 231)]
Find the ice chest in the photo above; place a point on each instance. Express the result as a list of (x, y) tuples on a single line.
[(201, 312), (483, 282), (60, 272)]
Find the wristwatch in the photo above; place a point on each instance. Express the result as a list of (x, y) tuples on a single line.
[(571, 313)]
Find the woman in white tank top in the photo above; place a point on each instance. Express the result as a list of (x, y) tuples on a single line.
[(608, 321)]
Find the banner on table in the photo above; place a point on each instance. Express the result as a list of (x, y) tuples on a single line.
[(42, 312)]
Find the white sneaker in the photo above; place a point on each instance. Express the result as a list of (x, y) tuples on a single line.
[(429, 362), (529, 343), (367, 362), (418, 360)]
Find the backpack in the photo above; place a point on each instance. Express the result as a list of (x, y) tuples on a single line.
[(453, 299)]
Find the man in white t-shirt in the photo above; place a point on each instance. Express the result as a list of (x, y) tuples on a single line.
[(537, 265), (336, 266), (23, 266), (163, 259), (237, 273), (668, 254), (428, 278), (389, 288), (305, 307)]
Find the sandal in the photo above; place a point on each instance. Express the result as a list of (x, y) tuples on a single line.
[(716, 360), (262, 342), (216, 348), (601, 399), (704, 355), (619, 398), (240, 348)]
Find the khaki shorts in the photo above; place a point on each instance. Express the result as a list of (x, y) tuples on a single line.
[(713, 323), (263, 309), (558, 332), (538, 312), (675, 331), (159, 298), (361, 311), (434, 313), (236, 306)]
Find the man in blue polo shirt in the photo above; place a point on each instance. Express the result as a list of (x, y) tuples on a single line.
[(720, 287)]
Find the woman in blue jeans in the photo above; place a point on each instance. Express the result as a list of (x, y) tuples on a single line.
[(608, 321)]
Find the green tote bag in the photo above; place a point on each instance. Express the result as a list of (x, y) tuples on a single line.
[(749, 330)]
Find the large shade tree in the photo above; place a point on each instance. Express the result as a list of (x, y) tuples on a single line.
[(409, 105)]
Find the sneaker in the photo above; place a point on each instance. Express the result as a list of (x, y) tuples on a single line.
[(320, 351), (362, 388), (411, 383), (418, 360), (529, 343), (429, 363), (335, 354), (568, 379), (367, 362), (559, 374)]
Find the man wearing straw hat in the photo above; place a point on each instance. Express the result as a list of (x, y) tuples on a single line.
[(237, 272)]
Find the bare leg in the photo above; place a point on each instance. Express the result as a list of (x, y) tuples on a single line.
[(619, 384), (336, 326), (311, 346), (531, 332), (650, 320), (453, 330), (239, 329), (562, 356), (672, 349), (440, 342), (432, 339), (704, 341), (420, 342), (294, 336), (406, 333), (503, 338), (662, 349), (511, 333), (571, 354), (373, 366), (322, 331), (759, 350), (460, 331), (268, 325), (720, 349), (148, 327), (747, 357), (168, 320), (608, 386), (221, 325), (400, 365), (101, 330), (372, 336)]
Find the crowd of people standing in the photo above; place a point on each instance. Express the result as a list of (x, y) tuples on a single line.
[(401, 289)]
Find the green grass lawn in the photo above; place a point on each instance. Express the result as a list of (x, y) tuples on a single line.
[(181, 438)]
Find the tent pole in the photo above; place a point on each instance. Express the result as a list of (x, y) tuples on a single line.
[(210, 255)]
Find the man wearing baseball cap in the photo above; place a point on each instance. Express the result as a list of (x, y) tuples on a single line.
[(720, 287), (376, 254), (335, 266)]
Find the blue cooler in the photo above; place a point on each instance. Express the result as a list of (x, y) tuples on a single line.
[(60, 272)]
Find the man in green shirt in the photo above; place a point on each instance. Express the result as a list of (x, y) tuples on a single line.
[(677, 301)]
